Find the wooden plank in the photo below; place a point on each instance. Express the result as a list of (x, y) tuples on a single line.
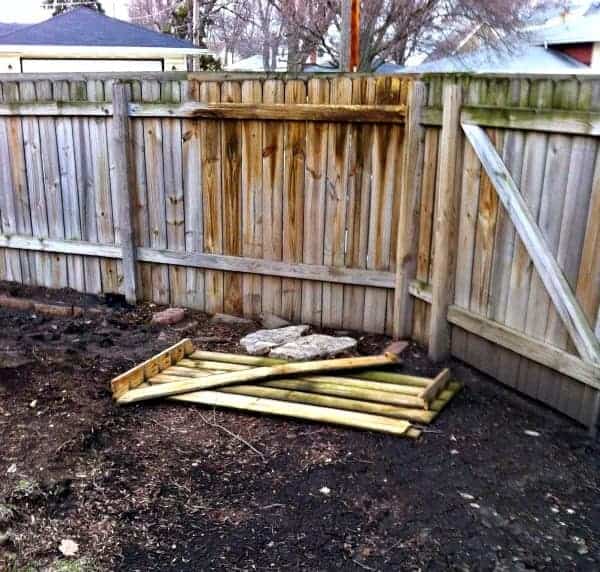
[(18, 170), (231, 143), (293, 201), (467, 227), (437, 385), (445, 236), (251, 200), (525, 346), (336, 200), (211, 262), (426, 218), (254, 374), (386, 170), (301, 411), (140, 373), (230, 110), (588, 281), (140, 196), (551, 121), (194, 223), (572, 228), (174, 193), (103, 209), (70, 192), (123, 180), (359, 200), (52, 245), (315, 272), (52, 188), (314, 203), (155, 187), (410, 196), (85, 191), (35, 185), (273, 139), (212, 200), (10, 262), (545, 264)]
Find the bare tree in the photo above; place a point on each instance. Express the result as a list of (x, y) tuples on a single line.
[(60, 6)]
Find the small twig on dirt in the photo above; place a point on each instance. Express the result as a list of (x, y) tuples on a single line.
[(232, 434), (61, 447), (364, 566)]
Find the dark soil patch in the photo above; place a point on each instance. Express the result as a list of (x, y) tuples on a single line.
[(159, 487)]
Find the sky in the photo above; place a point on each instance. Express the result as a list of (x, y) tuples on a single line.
[(31, 11)]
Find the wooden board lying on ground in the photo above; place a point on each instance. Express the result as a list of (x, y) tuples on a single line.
[(369, 399)]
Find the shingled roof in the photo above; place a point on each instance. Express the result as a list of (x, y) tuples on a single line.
[(86, 27)]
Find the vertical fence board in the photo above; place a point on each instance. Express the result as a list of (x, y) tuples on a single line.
[(68, 183), (155, 186), (359, 200), (192, 191), (102, 206), (314, 202), (210, 134), (293, 201), (336, 200), (272, 196), (174, 206), (251, 199)]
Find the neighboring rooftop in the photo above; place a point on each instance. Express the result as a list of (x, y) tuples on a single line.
[(519, 58), (86, 27), (8, 27), (580, 30)]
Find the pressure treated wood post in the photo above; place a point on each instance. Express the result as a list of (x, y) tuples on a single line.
[(123, 188), (410, 199), (446, 223)]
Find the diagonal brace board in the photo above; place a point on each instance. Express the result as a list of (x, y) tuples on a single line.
[(530, 234)]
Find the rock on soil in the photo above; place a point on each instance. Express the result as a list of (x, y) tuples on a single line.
[(169, 316), (230, 319), (314, 347), (270, 321), (261, 342)]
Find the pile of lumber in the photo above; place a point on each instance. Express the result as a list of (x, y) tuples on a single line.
[(356, 392)]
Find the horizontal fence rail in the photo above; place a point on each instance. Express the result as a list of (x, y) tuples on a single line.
[(274, 112)]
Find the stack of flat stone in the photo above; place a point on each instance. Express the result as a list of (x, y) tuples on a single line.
[(290, 343)]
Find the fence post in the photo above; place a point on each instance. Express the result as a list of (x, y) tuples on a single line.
[(446, 223), (123, 187), (410, 199)]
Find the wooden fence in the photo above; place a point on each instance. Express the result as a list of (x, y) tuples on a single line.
[(246, 195), (356, 202)]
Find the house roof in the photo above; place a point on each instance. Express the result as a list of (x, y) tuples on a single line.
[(518, 59), (86, 27), (583, 29), (8, 27)]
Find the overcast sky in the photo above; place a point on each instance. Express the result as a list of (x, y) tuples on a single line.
[(31, 11)]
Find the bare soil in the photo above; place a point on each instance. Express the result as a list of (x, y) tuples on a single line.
[(166, 486)]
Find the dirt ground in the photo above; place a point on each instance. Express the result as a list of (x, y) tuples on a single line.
[(165, 486)]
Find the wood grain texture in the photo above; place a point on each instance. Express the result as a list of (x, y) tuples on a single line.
[(273, 141), (293, 201), (231, 149), (212, 199), (252, 198), (193, 204), (336, 201), (359, 200), (315, 185)]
